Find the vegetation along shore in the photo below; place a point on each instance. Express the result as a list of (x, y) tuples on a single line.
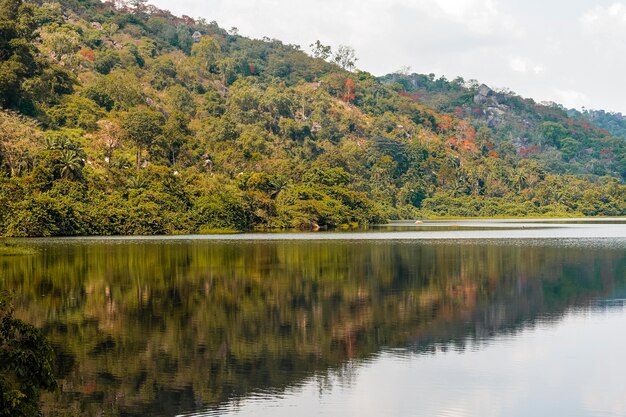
[(134, 121)]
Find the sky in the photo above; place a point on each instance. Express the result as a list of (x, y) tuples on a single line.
[(572, 52)]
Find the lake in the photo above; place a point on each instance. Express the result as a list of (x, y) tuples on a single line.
[(446, 318)]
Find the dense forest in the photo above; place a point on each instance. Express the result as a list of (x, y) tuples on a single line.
[(120, 118)]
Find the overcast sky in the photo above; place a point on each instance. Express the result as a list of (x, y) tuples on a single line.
[(569, 51)]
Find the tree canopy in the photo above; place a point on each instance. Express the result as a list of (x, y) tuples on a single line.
[(125, 119)]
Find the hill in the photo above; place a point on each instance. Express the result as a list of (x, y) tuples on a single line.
[(614, 123), (589, 144), (124, 119)]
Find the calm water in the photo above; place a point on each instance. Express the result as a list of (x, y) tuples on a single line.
[(481, 318)]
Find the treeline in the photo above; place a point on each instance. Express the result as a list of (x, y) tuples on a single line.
[(125, 119)]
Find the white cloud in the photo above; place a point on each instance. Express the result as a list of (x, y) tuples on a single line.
[(524, 66), (605, 20), (479, 16), (518, 65), (571, 98), (545, 50)]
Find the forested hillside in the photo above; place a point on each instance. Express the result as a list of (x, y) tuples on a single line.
[(121, 118), (615, 123), (589, 144)]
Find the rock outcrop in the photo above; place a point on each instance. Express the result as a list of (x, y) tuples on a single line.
[(486, 96)]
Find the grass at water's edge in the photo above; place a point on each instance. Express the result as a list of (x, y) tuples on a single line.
[(10, 249), (218, 231)]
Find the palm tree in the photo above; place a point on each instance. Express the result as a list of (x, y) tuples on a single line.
[(520, 179), (136, 182), (70, 164)]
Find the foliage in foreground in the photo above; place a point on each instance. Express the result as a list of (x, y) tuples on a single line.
[(26, 363)]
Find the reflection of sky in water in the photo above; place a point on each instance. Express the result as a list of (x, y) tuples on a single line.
[(571, 368)]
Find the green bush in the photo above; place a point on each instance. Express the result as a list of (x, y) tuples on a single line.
[(26, 364)]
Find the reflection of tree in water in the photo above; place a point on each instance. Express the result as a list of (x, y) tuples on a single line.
[(158, 328)]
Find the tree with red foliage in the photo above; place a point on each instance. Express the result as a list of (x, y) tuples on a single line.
[(414, 97), (88, 54), (446, 123), (606, 153), (529, 151), (452, 143), (350, 86), (466, 130), (470, 146)]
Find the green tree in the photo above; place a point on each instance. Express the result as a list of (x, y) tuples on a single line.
[(17, 53), (119, 90), (552, 133), (320, 50), (141, 126), (20, 142), (569, 147), (50, 84), (179, 99), (70, 164), (26, 364), (175, 135), (76, 112), (207, 53), (164, 73), (184, 39), (106, 61), (63, 44), (345, 57)]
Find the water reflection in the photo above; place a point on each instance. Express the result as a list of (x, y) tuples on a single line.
[(164, 327), (545, 371)]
